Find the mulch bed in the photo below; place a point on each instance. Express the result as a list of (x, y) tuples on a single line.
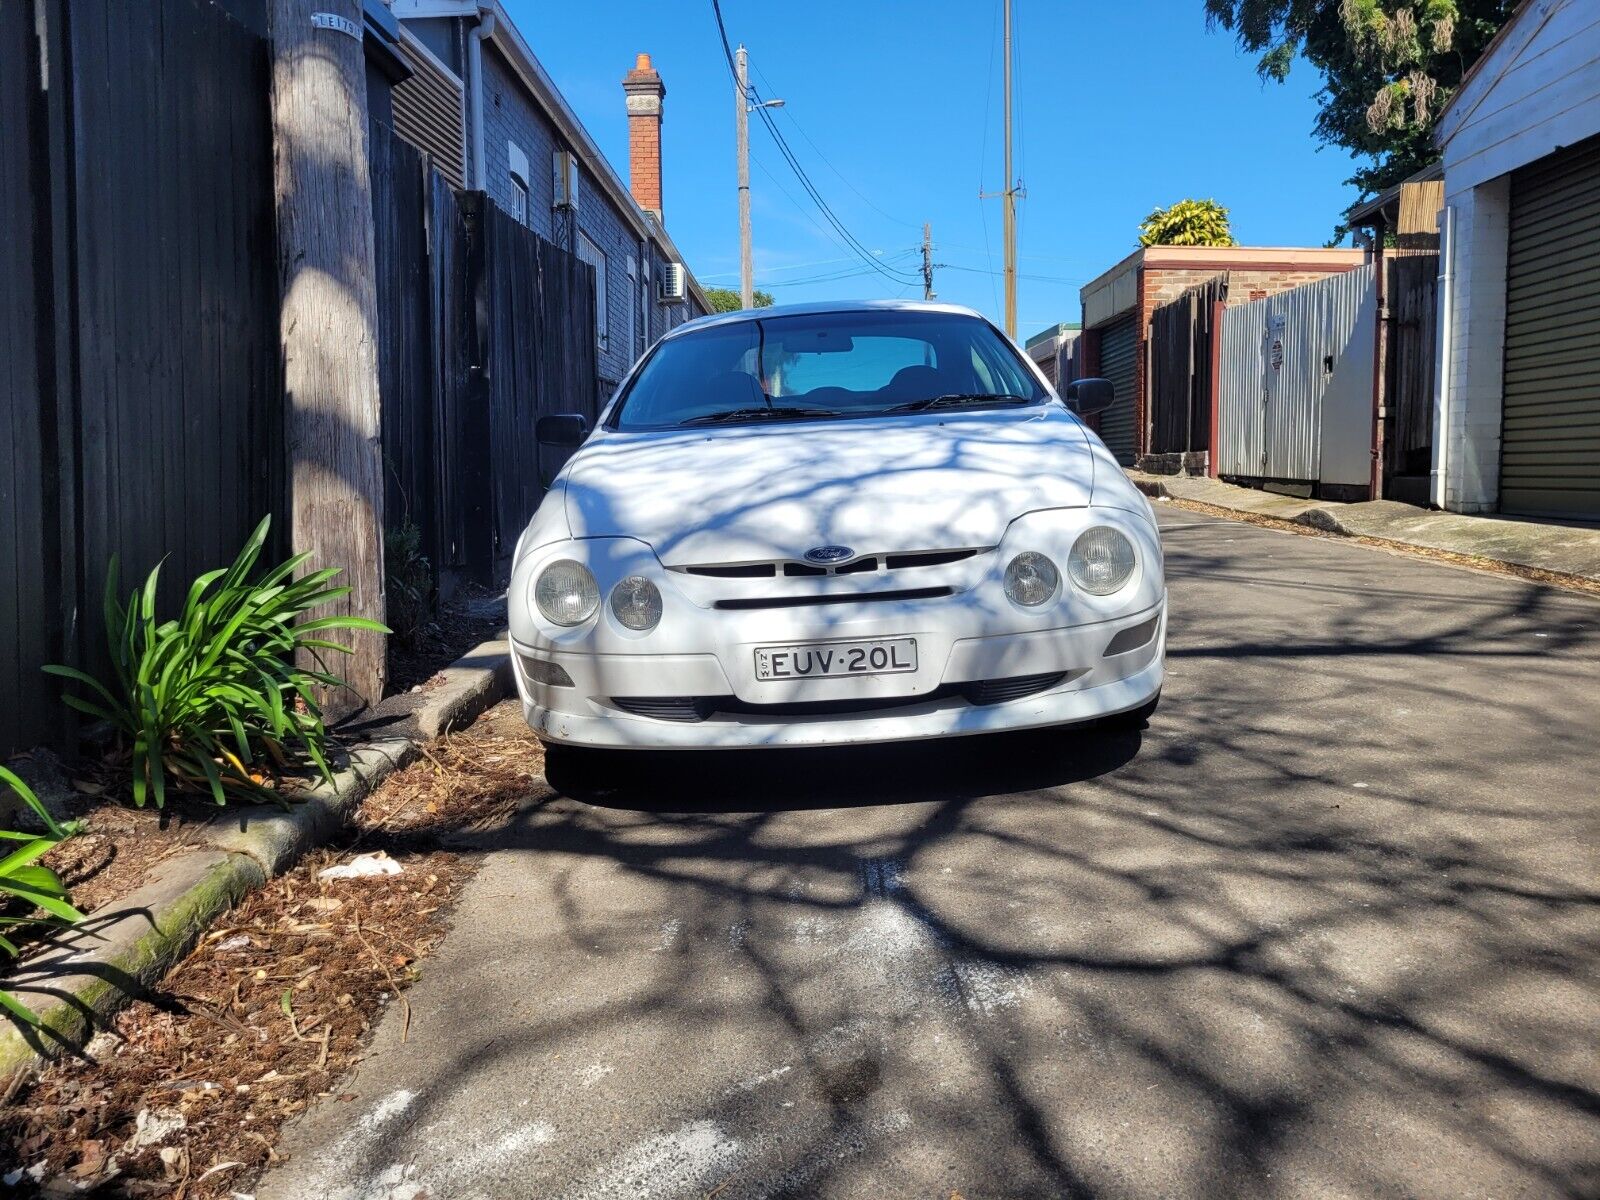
[(184, 1096), (118, 848)]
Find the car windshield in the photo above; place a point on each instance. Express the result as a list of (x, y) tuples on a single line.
[(829, 365)]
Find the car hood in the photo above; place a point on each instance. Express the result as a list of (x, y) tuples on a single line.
[(764, 492)]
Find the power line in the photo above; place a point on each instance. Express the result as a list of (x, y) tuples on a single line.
[(991, 271), (831, 276), (800, 129), (852, 243), (805, 266)]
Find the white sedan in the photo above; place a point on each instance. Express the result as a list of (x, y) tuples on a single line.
[(827, 524)]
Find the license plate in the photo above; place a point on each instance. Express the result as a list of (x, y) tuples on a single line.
[(821, 660)]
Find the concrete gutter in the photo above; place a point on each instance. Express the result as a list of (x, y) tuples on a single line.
[(1566, 550), (126, 946)]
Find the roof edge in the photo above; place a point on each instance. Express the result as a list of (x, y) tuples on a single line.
[(509, 41)]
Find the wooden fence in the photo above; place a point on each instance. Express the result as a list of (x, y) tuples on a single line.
[(1183, 336), (540, 357), (140, 412), (483, 327), (141, 409), (1408, 375)]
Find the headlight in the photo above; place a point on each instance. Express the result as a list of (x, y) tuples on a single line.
[(566, 593), (636, 602), (1031, 579), (1101, 561)]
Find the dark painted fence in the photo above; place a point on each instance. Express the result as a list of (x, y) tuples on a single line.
[(139, 400), (483, 327), (141, 411), (1182, 350), (539, 358)]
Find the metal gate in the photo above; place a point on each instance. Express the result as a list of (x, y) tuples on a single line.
[(1296, 385), (1550, 437), (1119, 352)]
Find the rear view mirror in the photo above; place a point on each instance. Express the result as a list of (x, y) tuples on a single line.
[(562, 429), (1089, 396), (817, 341)]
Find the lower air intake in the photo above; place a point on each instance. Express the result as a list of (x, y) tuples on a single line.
[(998, 691), (665, 708)]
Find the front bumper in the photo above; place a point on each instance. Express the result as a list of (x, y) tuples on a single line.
[(929, 702)]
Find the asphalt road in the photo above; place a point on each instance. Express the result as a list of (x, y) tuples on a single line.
[(1329, 928)]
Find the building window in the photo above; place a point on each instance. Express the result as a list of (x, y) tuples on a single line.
[(596, 258), (518, 164)]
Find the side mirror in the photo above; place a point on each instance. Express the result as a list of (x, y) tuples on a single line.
[(1089, 396), (561, 429)]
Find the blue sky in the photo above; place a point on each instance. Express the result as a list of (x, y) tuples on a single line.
[(893, 108)]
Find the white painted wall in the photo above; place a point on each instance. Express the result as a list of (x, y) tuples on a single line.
[(1535, 92)]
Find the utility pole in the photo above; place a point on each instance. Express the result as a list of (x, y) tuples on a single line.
[(927, 261), (1009, 197), (328, 318), (741, 133)]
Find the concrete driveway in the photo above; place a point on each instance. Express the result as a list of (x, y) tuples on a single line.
[(1329, 928)]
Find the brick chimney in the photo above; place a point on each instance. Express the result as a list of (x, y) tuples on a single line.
[(644, 91)]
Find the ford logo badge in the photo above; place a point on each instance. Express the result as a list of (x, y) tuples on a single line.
[(829, 554)]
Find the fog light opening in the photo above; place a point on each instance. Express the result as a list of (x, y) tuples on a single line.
[(542, 670)]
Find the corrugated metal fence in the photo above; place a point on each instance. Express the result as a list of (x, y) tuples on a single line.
[(1296, 385)]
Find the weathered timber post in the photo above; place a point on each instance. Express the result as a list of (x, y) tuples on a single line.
[(328, 321)]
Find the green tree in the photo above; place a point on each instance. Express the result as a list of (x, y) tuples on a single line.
[(1187, 223), (1388, 67), (727, 299)]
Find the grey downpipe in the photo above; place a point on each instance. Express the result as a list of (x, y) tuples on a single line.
[(1439, 483), (485, 29)]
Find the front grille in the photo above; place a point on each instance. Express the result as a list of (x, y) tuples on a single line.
[(870, 562), (998, 691), (750, 602), (737, 571), (932, 558), (855, 568)]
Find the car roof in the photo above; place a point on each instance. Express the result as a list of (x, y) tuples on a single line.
[(822, 308)]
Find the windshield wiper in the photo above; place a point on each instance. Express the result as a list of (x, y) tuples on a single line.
[(777, 412), (958, 400)]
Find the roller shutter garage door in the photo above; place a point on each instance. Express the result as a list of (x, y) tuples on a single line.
[(1550, 438), (1119, 350)]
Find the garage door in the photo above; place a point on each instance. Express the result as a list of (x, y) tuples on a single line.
[(1550, 440), (1119, 349)]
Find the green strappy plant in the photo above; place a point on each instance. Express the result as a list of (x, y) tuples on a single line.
[(214, 699)]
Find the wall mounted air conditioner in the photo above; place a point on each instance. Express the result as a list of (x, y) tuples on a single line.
[(565, 177), (674, 283)]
